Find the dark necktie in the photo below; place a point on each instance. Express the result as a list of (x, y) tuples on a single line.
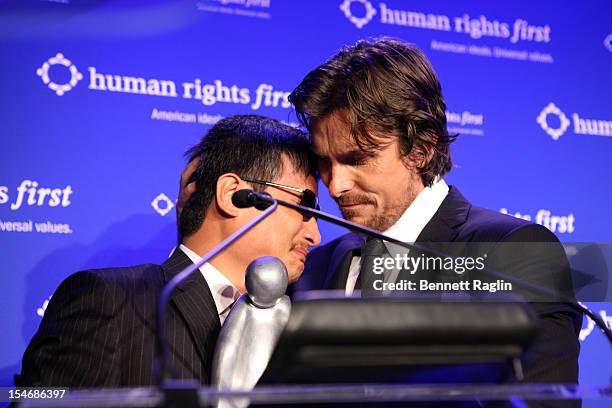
[(373, 248)]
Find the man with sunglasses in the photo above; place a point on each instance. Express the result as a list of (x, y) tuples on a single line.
[(99, 327)]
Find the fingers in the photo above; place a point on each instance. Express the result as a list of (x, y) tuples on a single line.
[(186, 188), (191, 167)]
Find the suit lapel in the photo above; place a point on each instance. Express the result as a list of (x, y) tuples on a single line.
[(442, 230), (443, 226), (195, 304), (340, 261)]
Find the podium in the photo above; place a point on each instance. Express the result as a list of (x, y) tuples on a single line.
[(377, 352)]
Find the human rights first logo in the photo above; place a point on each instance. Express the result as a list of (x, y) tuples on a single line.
[(360, 19), (555, 123), (59, 88), (209, 93)]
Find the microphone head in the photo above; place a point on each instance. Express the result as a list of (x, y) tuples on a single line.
[(248, 198), (262, 200), (266, 281), (243, 198)]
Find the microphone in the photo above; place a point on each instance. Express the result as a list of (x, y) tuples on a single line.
[(375, 234), (261, 314), (248, 198)]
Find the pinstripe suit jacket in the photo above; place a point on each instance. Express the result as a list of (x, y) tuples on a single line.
[(99, 329)]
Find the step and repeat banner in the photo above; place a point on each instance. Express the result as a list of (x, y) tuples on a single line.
[(100, 100)]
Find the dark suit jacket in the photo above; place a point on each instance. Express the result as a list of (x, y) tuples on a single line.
[(554, 356), (99, 329)]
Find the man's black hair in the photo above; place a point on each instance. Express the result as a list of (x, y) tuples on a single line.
[(252, 147)]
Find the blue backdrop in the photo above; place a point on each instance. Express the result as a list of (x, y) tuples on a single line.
[(100, 99)]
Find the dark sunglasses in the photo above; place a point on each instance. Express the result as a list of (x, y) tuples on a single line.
[(308, 199)]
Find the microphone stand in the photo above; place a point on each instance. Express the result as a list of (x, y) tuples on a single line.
[(162, 370), (262, 198)]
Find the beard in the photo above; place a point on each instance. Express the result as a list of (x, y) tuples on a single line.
[(378, 219)]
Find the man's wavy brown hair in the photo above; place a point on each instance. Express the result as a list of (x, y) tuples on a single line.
[(386, 86)]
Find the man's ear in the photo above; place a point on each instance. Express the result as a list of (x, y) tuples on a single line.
[(227, 185)]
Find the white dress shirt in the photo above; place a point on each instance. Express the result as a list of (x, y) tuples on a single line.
[(408, 227), (223, 292)]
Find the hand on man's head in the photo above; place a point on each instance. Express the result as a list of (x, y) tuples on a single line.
[(186, 189)]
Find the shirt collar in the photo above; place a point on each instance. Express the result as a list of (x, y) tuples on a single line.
[(410, 225), (222, 290)]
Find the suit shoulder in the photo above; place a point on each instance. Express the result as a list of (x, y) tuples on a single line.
[(121, 276), (488, 225), (106, 283)]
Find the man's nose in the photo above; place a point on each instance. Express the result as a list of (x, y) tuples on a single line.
[(340, 180), (311, 232)]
